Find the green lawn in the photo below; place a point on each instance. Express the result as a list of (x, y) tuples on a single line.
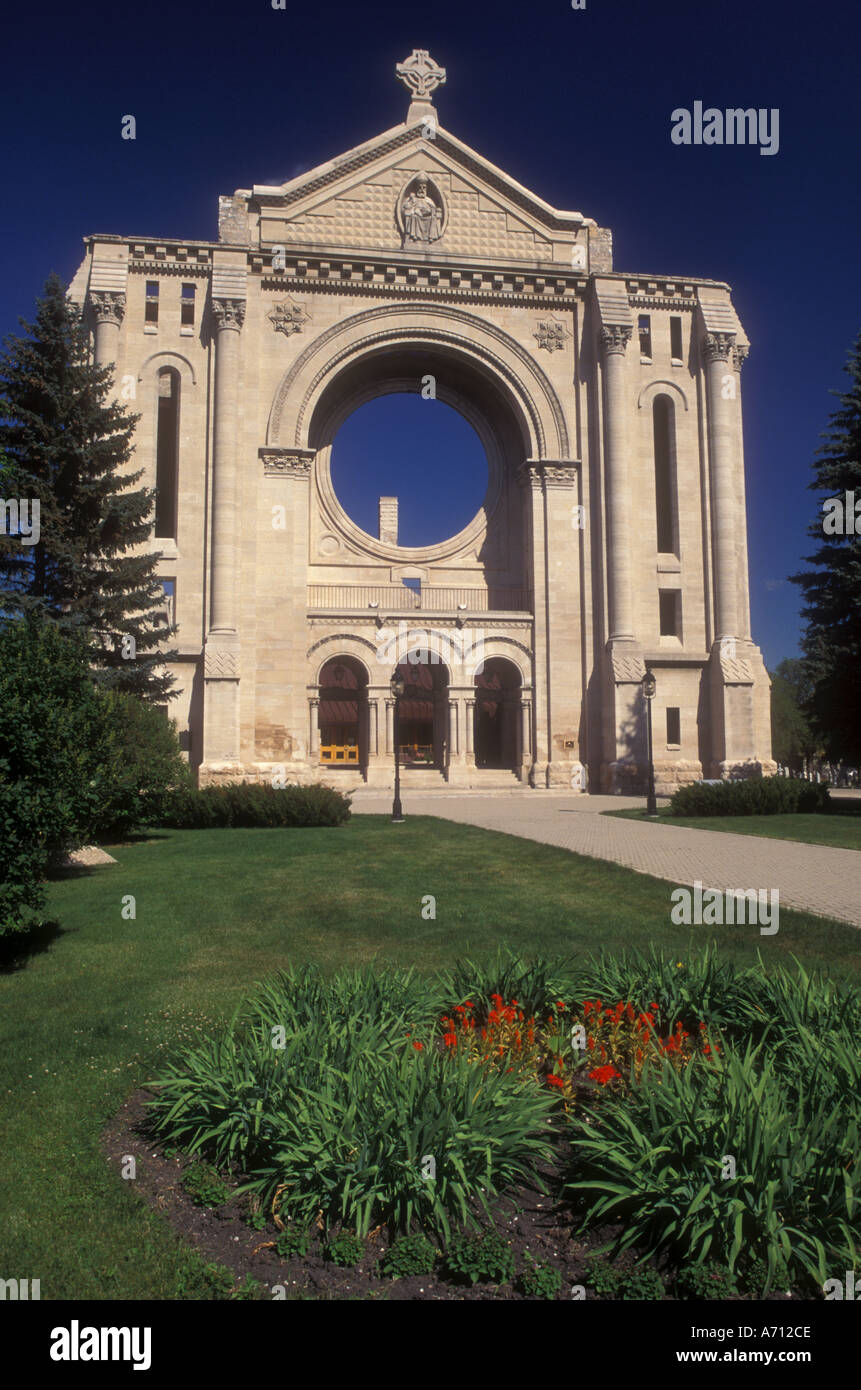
[(87, 1020), (842, 831)]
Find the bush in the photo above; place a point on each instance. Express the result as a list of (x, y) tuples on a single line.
[(345, 1249), (205, 1185), (146, 768), (253, 804), (483, 1256), (293, 1241), (705, 1282), (753, 796), (409, 1255), (603, 1277), (343, 1117), (54, 760), (539, 1279)]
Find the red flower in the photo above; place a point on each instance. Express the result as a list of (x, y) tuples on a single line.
[(556, 1081), (419, 1047), (603, 1074)]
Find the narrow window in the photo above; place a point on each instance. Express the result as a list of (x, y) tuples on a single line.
[(645, 331), (187, 311), (169, 587), (151, 312), (167, 451), (676, 339), (674, 728), (668, 600), (663, 418)]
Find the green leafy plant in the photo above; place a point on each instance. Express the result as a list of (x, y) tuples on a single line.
[(408, 1255), (640, 1285), (253, 804), (205, 1186), (256, 1220), (539, 1279), (479, 1256), (753, 796), (756, 1278), (705, 1282), (603, 1277), (293, 1241), (346, 1248)]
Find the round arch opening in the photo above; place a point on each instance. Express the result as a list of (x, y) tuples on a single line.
[(497, 714)]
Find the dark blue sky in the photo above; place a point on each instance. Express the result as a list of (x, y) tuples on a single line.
[(574, 104)]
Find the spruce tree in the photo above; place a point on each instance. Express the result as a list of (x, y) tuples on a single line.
[(832, 591), (64, 443)]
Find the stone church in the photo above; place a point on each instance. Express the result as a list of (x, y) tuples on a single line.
[(612, 536)]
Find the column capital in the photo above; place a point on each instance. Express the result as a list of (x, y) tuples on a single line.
[(615, 338), (718, 347), (228, 313), (287, 463), (109, 306), (548, 473), (739, 355)]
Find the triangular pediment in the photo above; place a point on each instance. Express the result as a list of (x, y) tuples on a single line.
[(358, 201)]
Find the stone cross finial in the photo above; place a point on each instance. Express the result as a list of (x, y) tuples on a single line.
[(420, 75)]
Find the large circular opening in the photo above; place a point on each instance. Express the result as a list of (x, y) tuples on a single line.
[(419, 451)]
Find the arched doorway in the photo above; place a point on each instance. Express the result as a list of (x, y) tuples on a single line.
[(497, 714), (424, 711), (342, 713)]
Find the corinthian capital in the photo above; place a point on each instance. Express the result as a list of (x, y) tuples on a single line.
[(108, 306), (615, 338), (739, 355), (717, 347), (228, 313)]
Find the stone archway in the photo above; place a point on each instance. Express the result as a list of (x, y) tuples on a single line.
[(342, 714), (424, 712), (497, 715)]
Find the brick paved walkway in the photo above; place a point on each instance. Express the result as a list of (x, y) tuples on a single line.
[(814, 878)]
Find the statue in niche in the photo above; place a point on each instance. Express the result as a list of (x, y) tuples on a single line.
[(421, 213)]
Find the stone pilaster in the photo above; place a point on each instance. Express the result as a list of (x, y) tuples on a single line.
[(221, 751), (722, 431)]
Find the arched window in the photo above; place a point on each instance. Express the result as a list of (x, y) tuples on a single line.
[(663, 417), (167, 452)]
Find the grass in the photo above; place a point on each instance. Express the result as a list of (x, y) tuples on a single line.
[(839, 831), (88, 1019)]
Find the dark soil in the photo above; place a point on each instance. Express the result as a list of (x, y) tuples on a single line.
[(527, 1219)]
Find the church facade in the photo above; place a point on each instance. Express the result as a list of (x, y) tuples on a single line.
[(612, 537)]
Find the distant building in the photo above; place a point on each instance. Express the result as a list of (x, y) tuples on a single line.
[(612, 538)]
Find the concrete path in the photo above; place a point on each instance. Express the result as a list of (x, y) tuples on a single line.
[(814, 878)]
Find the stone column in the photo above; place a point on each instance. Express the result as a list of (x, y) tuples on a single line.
[(525, 734), (720, 391), (221, 654), (531, 478), (390, 727), (314, 728), (739, 355), (108, 308), (470, 730), (614, 341)]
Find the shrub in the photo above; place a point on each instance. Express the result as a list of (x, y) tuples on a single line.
[(205, 1185), (345, 1249), (754, 796), (344, 1116), (603, 1277), (409, 1255), (482, 1256), (253, 804), (539, 1279), (655, 1160), (293, 1241), (54, 760), (642, 1284), (705, 1282), (146, 767)]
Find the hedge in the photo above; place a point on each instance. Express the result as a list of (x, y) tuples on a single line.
[(755, 796), (253, 804)]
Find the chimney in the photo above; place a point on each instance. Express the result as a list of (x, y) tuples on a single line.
[(389, 520)]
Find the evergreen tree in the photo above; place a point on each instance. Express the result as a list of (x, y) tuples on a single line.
[(832, 591), (792, 740), (64, 442)]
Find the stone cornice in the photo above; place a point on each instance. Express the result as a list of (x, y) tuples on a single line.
[(556, 473), (286, 463)]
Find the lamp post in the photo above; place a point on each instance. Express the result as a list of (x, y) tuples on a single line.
[(649, 687), (398, 685)]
